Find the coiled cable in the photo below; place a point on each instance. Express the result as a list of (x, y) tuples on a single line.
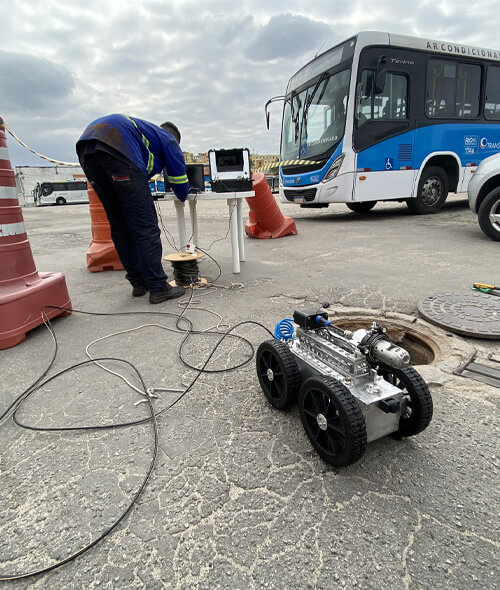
[(284, 329), (186, 272)]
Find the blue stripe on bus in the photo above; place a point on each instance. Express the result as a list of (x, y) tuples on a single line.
[(471, 143)]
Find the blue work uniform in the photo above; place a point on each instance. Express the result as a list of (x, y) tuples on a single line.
[(146, 146), (119, 154)]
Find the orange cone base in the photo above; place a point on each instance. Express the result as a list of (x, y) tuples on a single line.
[(254, 230), (102, 256), (21, 306), (265, 217)]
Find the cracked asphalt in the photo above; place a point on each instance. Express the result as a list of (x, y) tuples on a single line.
[(238, 497)]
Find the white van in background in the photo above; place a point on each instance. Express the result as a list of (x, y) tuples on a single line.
[(60, 192)]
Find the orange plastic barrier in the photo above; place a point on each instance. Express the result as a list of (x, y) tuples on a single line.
[(101, 254), (23, 290), (266, 219)]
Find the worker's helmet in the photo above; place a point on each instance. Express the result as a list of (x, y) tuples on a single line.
[(171, 128)]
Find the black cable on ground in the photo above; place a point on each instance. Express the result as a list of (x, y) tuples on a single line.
[(39, 383), (216, 263), (20, 397), (152, 417)]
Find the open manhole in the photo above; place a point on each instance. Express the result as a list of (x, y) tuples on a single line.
[(422, 349)]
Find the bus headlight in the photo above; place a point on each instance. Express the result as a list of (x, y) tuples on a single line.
[(334, 168)]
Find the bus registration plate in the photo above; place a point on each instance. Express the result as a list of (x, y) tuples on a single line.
[(298, 199)]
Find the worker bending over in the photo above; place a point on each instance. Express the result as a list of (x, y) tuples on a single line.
[(119, 154)]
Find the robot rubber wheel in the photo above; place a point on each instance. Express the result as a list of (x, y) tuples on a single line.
[(332, 420), (419, 408), (278, 373)]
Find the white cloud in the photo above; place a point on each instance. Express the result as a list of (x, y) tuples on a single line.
[(210, 67)]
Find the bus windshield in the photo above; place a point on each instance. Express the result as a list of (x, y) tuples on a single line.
[(314, 118)]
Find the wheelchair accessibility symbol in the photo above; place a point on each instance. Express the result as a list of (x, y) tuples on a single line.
[(389, 163)]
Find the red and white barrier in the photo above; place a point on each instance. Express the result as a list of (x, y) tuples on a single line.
[(23, 290)]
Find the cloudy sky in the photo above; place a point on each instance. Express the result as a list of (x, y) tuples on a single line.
[(208, 66)]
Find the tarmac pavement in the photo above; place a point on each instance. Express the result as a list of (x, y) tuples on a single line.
[(238, 497)]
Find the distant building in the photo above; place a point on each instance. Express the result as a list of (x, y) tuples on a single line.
[(27, 177), (264, 162), (201, 158)]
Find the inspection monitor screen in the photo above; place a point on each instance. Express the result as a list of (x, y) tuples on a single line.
[(229, 161)]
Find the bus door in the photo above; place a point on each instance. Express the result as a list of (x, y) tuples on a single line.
[(383, 127)]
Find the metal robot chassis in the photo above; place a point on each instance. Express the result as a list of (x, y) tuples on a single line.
[(352, 387)]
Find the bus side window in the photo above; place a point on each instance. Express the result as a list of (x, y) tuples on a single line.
[(437, 97), (452, 89), (492, 99), (389, 105), (468, 90), (365, 99)]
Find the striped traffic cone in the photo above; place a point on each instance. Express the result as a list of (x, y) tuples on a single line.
[(266, 219), (23, 291), (101, 254)]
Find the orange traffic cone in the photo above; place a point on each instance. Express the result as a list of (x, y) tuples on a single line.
[(266, 219), (101, 254), (23, 291)]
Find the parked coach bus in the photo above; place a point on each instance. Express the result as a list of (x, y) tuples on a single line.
[(387, 117), (61, 192)]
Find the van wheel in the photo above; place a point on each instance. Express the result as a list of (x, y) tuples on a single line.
[(432, 192), (60, 201), (362, 207), (489, 215)]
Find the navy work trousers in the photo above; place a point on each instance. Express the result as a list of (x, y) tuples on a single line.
[(126, 198)]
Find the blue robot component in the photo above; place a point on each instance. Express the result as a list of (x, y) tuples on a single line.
[(284, 329)]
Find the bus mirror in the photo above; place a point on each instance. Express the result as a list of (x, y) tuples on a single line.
[(380, 75), (268, 114)]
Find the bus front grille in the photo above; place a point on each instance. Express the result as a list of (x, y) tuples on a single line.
[(307, 194)]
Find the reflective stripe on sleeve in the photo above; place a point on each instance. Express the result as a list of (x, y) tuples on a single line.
[(145, 141), (12, 229), (151, 163), (177, 179)]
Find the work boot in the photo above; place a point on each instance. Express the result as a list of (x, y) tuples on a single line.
[(139, 291), (167, 292)]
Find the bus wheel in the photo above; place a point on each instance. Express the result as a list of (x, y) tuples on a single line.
[(432, 192), (60, 201), (363, 207)]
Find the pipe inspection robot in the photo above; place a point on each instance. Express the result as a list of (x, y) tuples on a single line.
[(352, 387)]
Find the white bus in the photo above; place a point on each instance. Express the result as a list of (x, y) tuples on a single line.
[(61, 192), (388, 117)]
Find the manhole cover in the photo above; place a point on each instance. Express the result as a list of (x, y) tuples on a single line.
[(469, 314)]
